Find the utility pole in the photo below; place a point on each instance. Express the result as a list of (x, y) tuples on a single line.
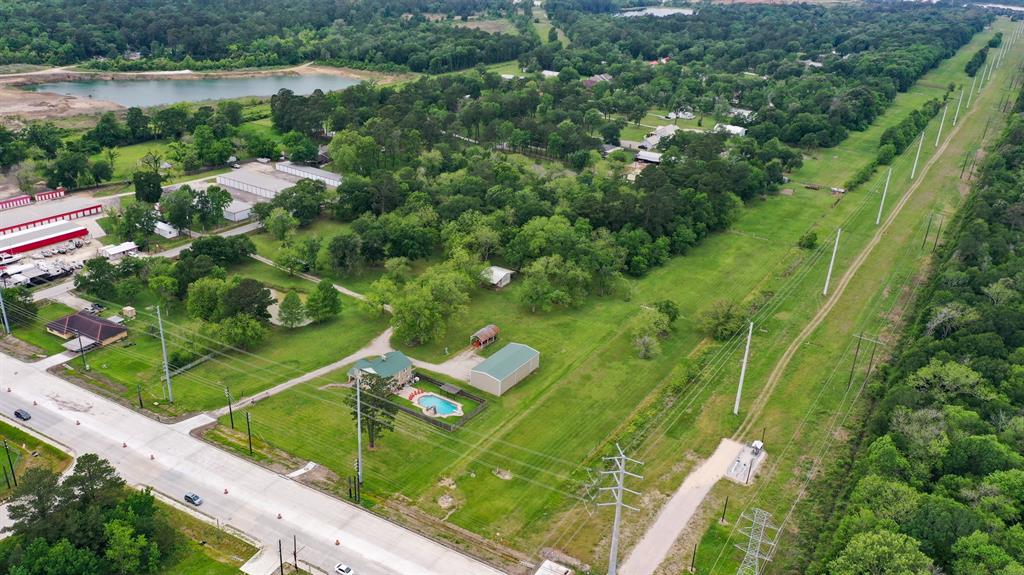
[(81, 351), (11, 463), (743, 370), (913, 171), (938, 233), (835, 248), (960, 101), (856, 356), (3, 312), (970, 93), (280, 555), (231, 411), (927, 230), (941, 123), (138, 390), (619, 473), (248, 430), (163, 347), (885, 190), (359, 431), (761, 535), (295, 552)]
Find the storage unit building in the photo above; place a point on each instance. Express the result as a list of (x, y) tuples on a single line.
[(39, 237), (91, 210), (256, 183), (309, 173), (15, 202), (510, 365)]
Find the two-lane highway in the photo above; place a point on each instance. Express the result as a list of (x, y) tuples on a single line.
[(180, 463)]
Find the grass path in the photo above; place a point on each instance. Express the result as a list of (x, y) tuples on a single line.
[(840, 287)]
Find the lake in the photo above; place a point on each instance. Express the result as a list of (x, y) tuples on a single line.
[(144, 93)]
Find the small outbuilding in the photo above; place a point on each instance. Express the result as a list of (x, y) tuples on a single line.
[(484, 336), (87, 325), (237, 211), (393, 366), (497, 277), (503, 370), (165, 230), (119, 251)]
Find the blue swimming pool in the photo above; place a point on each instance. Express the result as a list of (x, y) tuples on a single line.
[(441, 405)]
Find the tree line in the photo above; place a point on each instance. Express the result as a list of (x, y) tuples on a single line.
[(934, 479)]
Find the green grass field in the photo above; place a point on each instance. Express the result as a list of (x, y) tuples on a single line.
[(127, 160), (591, 389), (222, 554), (36, 333), (283, 355), (22, 447)]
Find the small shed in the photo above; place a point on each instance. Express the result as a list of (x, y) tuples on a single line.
[(128, 312), (500, 372), (497, 277), (484, 336), (119, 251)]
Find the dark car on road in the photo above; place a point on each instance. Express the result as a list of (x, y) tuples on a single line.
[(22, 414)]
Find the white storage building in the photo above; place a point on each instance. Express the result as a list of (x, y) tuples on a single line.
[(237, 211), (119, 251), (309, 173), (257, 183), (165, 230)]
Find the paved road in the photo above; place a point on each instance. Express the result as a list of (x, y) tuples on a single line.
[(182, 463)]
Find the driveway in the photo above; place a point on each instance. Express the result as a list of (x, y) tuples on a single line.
[(173, 462)]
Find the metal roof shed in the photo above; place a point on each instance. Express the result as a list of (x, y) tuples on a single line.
[(510, 365)]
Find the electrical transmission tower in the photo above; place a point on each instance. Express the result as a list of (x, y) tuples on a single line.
[(618, 490), (761, 535)]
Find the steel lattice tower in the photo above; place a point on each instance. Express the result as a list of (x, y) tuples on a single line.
[(761, 535)]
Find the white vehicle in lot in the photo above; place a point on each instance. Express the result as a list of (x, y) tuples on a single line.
[(343, 569)]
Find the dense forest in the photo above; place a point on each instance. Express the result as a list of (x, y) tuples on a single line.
[(233, 33), (936, 482), (810, 74)]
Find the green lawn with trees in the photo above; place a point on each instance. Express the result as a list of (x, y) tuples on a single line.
[(28, 452), (93, 524)]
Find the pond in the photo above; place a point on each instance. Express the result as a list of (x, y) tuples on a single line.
[(657, 11), (144, 93)]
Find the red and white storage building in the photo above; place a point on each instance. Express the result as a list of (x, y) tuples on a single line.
[(26, 240), (82, 212)]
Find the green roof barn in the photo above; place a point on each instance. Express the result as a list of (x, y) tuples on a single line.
[(498, 373)]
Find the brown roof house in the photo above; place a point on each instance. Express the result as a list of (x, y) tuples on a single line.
[(93, 329)]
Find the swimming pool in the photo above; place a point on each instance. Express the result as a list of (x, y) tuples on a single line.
[(437, 406)]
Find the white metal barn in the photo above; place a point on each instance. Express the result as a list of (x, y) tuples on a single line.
[(510, 365), (237, 211), (257, 183), (309, 173)]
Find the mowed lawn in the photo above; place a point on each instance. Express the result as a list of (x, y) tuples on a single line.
[(220, 554), (36, 333), (285, 353), (22, 446), (128, 157)]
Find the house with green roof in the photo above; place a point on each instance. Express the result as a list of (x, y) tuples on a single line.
[(498, 373), (393, 366)]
